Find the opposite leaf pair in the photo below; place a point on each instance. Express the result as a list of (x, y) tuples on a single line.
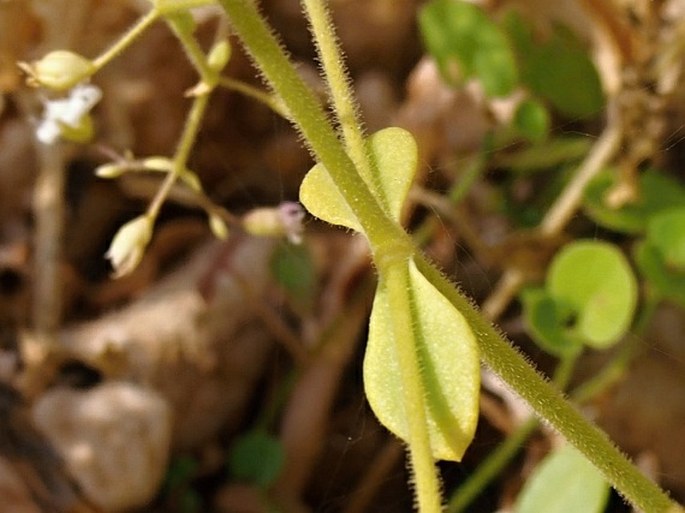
[(443, 344)]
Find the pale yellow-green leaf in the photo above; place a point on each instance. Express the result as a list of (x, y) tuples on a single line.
[(394, 153), (320, 195), (450, 377)]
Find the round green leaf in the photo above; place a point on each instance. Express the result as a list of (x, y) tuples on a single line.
[(466, 43), (558, 69), (658, 192), (666, 232), (256, 457), (565, 482), (531, 120), (546, 323), (594, 280), (448, 355), (668, 282)]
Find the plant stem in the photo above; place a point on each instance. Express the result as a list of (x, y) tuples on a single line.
[(385, 236), (396, 278), (550, 405), (192, 49), (267, 99), (567, 203), (185, 145), (124, 41), (338, 81), (492, 466)]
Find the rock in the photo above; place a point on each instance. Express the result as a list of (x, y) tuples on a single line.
[(114, 439), (14, 494)]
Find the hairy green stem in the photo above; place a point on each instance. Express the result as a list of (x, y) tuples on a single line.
[(495, 462), (344, 103), (384, 235), (396, 278)]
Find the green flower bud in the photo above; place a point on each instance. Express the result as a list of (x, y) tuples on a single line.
[(219, 56), (218, 227), (59, 70), (111, 170), (128, 246)]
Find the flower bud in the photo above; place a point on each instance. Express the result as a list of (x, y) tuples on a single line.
[(111, 170), (284, 220), (59, 70), (128, 245), (219, 56), (218, 227)]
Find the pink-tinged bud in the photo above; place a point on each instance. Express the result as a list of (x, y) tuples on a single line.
[(283, 220)]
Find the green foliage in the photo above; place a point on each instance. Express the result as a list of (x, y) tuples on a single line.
[(178, 488), (555, 152), (661, 256), (256, 457), (589, 298), (531, 120), (565, 482), (450, 370), (466, 43), (657, 192), (558, 69), (293, 269)]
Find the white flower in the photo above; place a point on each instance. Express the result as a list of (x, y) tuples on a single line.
[(69, 112), (128, 246)]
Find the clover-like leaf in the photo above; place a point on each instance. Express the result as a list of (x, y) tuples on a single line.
[(594, 280), (657, 192), (661, 256), (558, 69), (450, 371), (531, 120), (565, 482), (393, 154), (669, 283), (466, 43), (546, 321), (666, 231)]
